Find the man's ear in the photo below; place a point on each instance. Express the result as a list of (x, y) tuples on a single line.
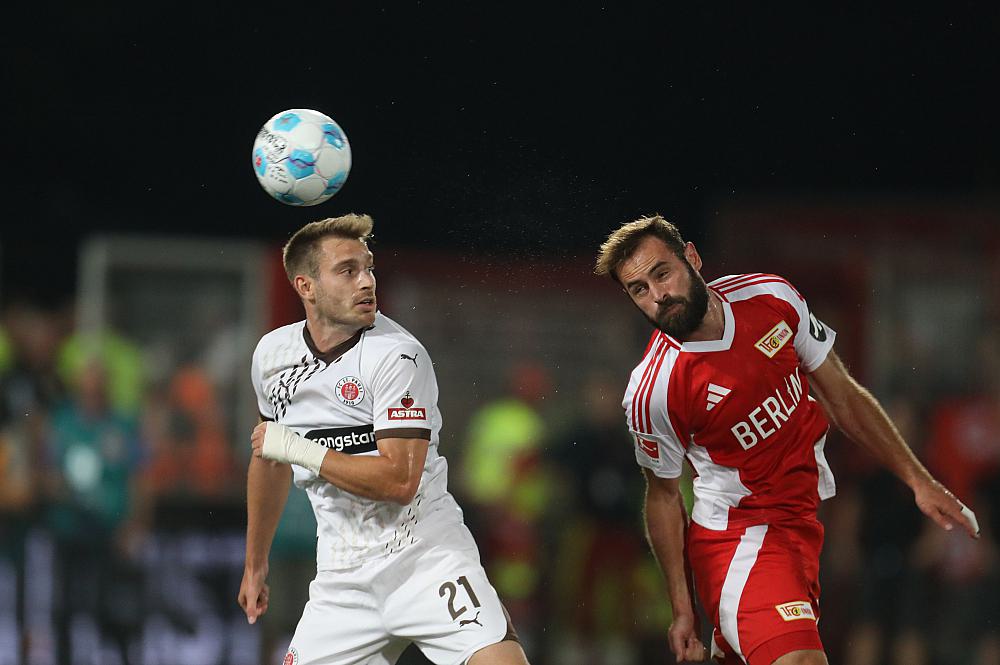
[(303, 286), (692, 256)]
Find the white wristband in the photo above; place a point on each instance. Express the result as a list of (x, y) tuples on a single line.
[(971, 516), (283, 445)]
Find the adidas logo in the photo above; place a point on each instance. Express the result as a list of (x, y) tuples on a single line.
[(715, 395)]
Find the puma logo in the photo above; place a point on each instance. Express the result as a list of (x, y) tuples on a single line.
[(475, 620), (403, 356)]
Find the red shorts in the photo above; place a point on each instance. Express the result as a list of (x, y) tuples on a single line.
[(760, 586)]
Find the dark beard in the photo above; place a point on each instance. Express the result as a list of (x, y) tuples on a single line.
[(682, 323)]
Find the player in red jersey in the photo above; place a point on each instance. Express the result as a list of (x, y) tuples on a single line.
[(740, 378)]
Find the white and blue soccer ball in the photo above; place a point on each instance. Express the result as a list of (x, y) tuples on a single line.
[(301, 157)]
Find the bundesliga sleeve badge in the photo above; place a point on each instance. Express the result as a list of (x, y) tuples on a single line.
[(350, 390)]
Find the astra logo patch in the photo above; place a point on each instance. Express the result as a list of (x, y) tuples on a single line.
[(350, 390), (775, 338), (648, 447), (403, 413), (796, 610), (407, 400), (350, 440)]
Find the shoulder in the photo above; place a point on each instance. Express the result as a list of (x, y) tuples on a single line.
[(752, 285), (661, 354), (281, 336), (279, 343), (387, 337)]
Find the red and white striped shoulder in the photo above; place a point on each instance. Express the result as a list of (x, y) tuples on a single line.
[(739, 287)]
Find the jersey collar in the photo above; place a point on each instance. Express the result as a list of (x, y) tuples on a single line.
[(727, 334), (334, 354)]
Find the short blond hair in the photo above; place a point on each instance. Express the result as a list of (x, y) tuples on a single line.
[(623, 241), (300, 256)]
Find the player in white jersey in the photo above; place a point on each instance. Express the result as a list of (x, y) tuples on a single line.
[(348, 405), (726, 382)]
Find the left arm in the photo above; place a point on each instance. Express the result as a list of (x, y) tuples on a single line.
[(856, 412), (392, 475)]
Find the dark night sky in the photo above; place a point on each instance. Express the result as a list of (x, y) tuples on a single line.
[(497, 128)]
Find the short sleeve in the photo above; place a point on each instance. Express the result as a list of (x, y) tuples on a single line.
[(647, 403), (663, 455), (264, 406), (404, 393), (813, 339)]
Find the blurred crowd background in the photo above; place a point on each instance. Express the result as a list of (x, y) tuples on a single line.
[(125, 414)]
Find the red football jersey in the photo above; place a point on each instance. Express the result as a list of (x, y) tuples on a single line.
[(739, 408)]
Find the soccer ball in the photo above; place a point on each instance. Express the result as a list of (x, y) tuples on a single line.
[(301, 157)]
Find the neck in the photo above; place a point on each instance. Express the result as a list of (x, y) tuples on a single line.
[(713, 325), (328, 334)]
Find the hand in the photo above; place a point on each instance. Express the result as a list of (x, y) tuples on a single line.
[(940, 505), (254, 594), (257, 439), (684, 641)]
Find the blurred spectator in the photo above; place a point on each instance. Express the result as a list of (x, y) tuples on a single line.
[(871, 552), (97, 512), (965, 430), (24, 401), (29, 386), (191, 458), (6, 352), (607, 593), (964, 451), (122, 361), (507, 491), (29, 377)]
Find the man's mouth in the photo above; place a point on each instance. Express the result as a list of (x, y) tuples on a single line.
[(668, 309)]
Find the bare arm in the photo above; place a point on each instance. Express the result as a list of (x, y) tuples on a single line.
[(267, 491), (666, 530), (392, 475), (856, 412)]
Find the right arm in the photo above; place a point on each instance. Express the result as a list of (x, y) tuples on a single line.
[(268, 483), (666, 530)]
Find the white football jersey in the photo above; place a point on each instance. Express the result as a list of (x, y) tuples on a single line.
[(378, 384)]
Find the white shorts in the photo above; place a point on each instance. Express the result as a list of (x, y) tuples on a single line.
[(433, 593)]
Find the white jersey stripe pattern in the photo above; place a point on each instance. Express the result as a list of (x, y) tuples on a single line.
[(648, 394), (826, 486), (736, 579), (766, 279), (726, 282), (639, 422), (638, 416)]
